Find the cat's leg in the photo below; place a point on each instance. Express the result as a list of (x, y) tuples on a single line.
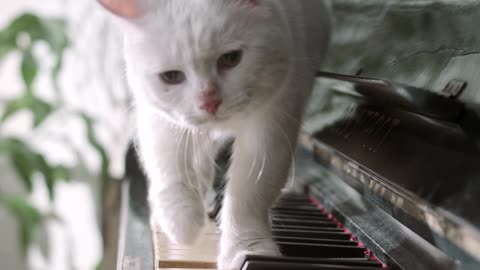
[(178, 172), (262, 156), (205, 151)]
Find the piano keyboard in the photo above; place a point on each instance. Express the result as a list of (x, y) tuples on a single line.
[(308, 236)]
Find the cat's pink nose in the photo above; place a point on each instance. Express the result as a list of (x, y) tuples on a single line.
[(211, 106), (211, 101)]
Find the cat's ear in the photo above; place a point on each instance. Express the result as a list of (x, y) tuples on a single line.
[(128, 9)]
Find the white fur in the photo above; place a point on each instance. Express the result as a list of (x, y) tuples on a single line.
[(284, 42)]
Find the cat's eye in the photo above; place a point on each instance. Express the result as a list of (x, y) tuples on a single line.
[(230, 60), (173, 77)]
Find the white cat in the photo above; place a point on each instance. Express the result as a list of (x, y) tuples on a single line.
[(201, 71)]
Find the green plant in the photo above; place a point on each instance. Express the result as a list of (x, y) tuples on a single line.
[(20, 37)]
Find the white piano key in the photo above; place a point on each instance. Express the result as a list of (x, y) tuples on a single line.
[(202, 255)]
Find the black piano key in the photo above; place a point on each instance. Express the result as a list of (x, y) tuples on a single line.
[(297, 208), (312, 212), (293, 203), (315, 241), (303, 230), (299, 217), (294, 206), (305, 223), (260, 265), (296, 203), (363, 262), (290, 206), (320, 251), (311, 234), (306, 228), (294, 200)]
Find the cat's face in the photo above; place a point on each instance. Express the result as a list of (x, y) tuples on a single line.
[(202, 62)]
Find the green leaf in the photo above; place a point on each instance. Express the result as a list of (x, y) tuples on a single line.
[(96, 145), (51, 174), (14, 106), (4, 147), (6, 47), (25, 168), (39, 108), (105, 161), (61, 173), (27, 162), (29, 70), (22, 159), (55, 74), (55, 34), (38, 28), (28, 216), (49, 30), (47, 173), (24, 23), (99, 265)]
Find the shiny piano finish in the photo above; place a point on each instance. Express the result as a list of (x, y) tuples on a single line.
[(310, 243), (390, 135), (421, 168)]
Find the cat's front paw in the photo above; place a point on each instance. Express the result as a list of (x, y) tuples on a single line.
[(233, 256), (182, 222)]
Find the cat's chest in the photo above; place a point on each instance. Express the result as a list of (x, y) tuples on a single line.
[(220, 135)]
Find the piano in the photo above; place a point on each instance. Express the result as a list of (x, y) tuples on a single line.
[(387, 169)]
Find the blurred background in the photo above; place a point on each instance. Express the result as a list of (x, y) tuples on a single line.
[(63, 135)]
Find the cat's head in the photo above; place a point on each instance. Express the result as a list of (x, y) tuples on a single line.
[(201, 62)]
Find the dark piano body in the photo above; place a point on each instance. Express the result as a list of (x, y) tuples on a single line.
[(388, 160)]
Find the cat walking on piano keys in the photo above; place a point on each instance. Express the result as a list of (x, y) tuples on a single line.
[(204, 71)]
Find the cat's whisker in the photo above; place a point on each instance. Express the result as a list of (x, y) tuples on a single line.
[(211, 157), (236, 101), (177, 154), (181, 165), (198, 157), (260, 173), (214, 162), (291, 149), (197, 150), (302, 126), (252, 167), (195, 155), (191, 184)]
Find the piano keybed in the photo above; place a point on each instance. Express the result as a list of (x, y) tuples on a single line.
[(308, 236)]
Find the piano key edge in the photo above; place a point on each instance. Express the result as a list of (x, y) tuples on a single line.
[(392, 242)]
